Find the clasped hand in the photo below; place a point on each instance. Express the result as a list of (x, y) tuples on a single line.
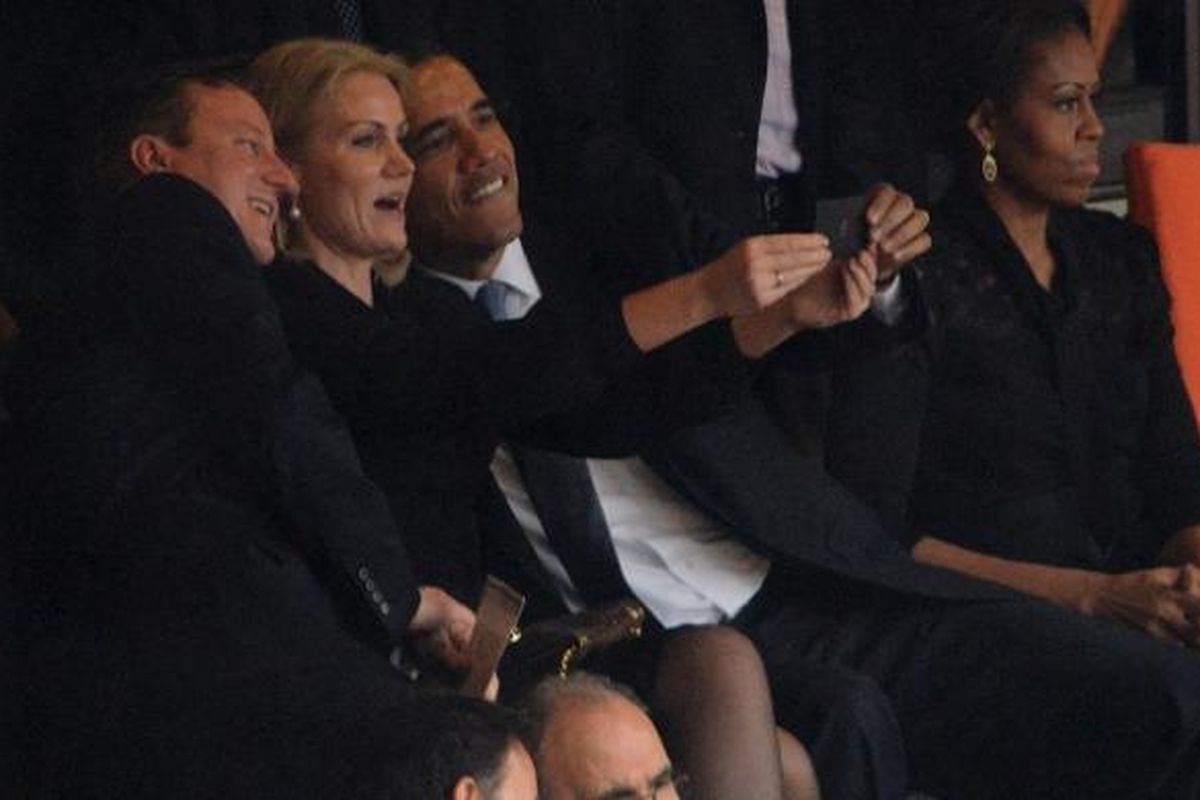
[(1163, 601)]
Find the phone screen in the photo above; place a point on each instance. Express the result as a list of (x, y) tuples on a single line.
[(843, 220)]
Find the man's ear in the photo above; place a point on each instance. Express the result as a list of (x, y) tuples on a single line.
[(467, 788), (150, 153), (981, 124)]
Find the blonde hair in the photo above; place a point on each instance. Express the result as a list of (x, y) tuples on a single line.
[(292, 79)]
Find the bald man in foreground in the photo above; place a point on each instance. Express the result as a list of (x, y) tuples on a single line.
[(592, 738)]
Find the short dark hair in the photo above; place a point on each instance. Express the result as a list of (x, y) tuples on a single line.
[(977, 50), (159, 102), (421, 751)]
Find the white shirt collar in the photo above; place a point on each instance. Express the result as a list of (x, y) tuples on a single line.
[(513, 271)]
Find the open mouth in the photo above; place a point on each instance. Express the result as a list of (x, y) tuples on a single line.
[(264, 207), (392, 202)]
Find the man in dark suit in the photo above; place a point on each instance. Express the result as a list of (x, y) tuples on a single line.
[(981, 683), (196, 536), (663, 124)]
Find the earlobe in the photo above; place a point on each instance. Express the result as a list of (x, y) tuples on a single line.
[(467, 789), (149, 153), (980, 125)]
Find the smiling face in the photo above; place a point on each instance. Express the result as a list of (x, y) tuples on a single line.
[(230, 153), (464, 197), (1047, 142), (354, 174)]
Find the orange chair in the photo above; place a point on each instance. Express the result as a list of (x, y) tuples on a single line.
[(1163, 184)]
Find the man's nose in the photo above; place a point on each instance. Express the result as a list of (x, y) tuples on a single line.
[(477, 148), (278, 175)]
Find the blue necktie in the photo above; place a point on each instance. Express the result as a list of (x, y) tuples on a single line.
[(492, 297), (564, 497)]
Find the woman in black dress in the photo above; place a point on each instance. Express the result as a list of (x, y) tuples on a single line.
[(1057, 448)]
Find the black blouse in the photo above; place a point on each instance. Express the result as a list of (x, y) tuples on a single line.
[(428, 385), (1055, 425)]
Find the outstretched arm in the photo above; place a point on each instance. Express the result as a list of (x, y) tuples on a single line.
[(752, 275)]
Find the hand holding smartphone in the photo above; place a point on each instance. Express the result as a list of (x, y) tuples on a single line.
[(843, 220)]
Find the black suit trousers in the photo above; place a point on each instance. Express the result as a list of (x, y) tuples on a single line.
[(994, 698)]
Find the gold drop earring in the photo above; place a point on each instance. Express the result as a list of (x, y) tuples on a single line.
[(989, 167)]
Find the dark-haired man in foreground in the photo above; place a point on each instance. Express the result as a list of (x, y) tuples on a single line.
[(451, 747)]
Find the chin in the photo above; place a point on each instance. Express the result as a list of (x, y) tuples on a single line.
[(263, 254), (1074, 198)]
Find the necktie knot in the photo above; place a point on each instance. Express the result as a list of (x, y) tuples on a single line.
[(492, 297)]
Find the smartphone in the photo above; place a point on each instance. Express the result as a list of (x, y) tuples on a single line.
[(843, 220), (496, 618)]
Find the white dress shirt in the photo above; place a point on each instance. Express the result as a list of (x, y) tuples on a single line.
[(680, 563), (778, 153)]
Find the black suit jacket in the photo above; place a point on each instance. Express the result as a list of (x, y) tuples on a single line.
[(170, 395), (703, 431), (429, 385)]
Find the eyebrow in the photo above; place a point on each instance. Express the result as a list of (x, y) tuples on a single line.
[(241, 128), (441, 123), (438, 125), (376, 124), (622, 792), (665, 774)]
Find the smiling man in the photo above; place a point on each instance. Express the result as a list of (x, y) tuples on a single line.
[(889, 671), (463, 212), (184, 484), (225, 147)]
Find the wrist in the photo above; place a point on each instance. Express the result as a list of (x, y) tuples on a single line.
[(703, 288), (885, 282), (758, 334), (1082, 592)]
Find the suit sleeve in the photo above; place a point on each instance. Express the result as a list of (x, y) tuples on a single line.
[(433, 361), (188, 278), (688, 382)]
